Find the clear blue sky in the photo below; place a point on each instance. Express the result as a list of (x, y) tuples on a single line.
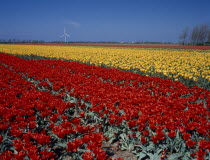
[(101, 20)]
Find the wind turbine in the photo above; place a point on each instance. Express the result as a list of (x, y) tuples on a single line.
[(65, 35)]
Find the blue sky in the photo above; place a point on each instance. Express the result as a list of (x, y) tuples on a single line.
[(101, 20)]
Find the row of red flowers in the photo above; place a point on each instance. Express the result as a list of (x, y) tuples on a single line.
[(35, 125), (157, 109)]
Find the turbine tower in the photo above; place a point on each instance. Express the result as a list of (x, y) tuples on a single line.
[(65, 35)]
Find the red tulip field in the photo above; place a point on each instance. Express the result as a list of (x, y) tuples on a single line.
[(56, 109)]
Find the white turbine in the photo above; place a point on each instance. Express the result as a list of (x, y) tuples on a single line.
[(65, 35)]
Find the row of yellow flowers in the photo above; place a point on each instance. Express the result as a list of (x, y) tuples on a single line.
[(190, 64)]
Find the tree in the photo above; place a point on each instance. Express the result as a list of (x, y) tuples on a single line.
[(208, 40), (183, 36), (203, 33), (194, 35), (199, 34)]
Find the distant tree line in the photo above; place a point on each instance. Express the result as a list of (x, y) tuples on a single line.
[(14, 41), (198, 35)]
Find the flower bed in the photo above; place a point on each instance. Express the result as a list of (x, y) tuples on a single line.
[(54, 109), (188, 66)]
